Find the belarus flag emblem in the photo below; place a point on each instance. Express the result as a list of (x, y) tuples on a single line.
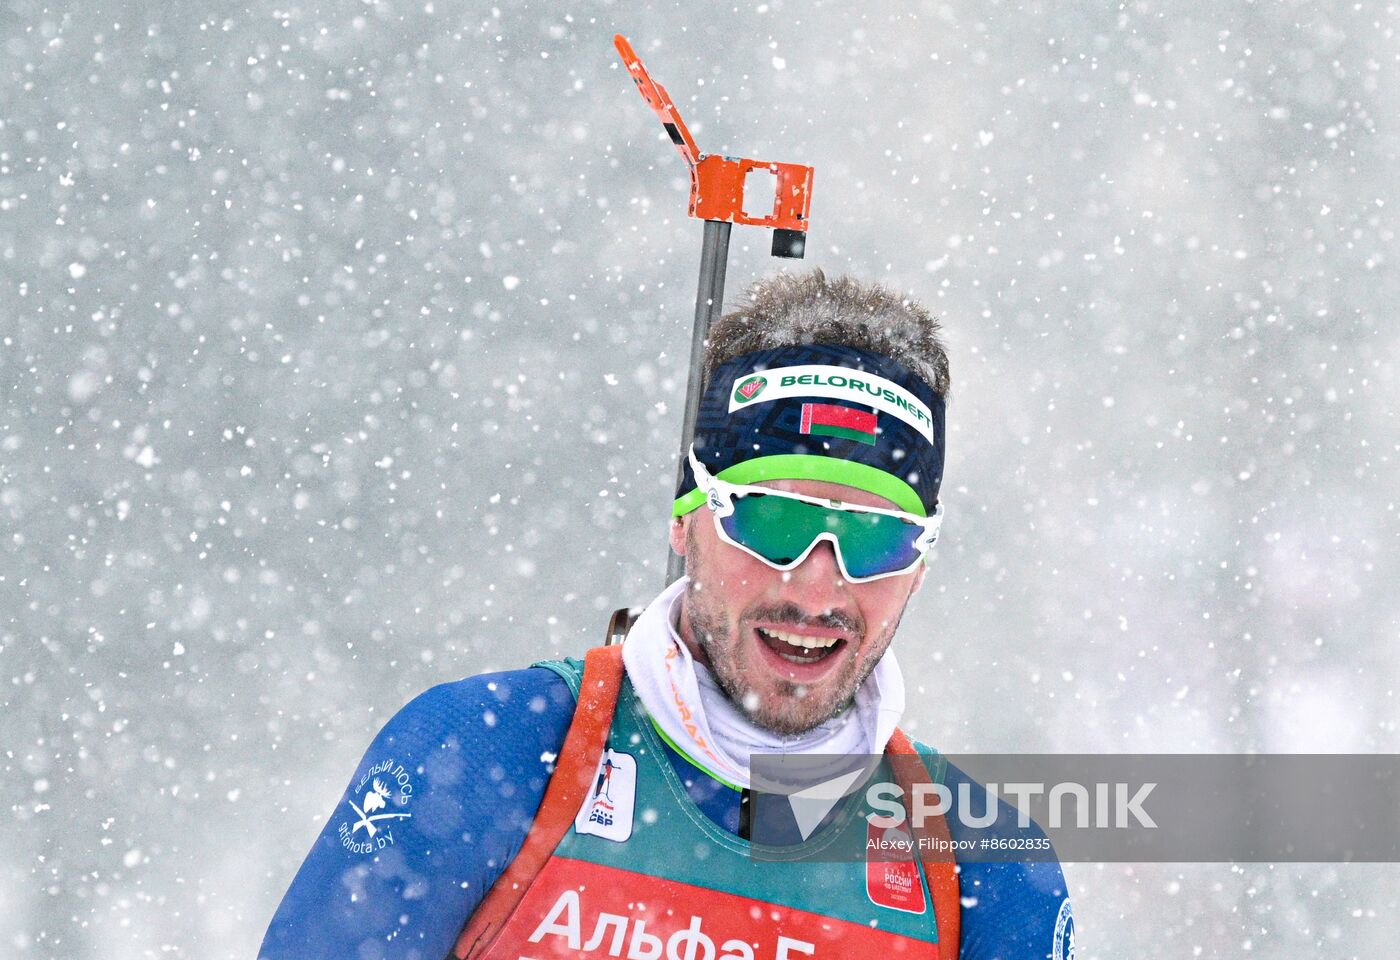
[(834, 420)]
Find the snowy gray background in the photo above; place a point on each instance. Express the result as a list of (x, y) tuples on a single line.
[(342, 351)]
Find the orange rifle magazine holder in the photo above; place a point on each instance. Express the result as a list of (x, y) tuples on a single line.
[(717, 183)]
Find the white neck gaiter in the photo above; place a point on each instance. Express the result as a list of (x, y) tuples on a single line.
[(688, 705)]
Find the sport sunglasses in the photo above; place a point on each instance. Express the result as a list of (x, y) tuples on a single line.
[(781, 528)]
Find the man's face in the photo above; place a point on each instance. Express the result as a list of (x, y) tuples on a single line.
[(789, 648)]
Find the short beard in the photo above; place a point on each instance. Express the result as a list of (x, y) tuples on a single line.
[(712, 634)]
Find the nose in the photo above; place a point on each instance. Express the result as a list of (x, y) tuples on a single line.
[(818, 580)]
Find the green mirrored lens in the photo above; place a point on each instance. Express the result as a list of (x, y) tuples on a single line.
[(777, 528), (873, 543), (781, 529)]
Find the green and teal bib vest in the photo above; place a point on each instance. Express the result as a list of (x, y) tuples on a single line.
[(645, 874)]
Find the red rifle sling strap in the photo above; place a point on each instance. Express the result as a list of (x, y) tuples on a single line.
[(568, 786), (941, 871)]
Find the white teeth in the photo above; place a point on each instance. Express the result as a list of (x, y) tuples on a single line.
[(799, 640)]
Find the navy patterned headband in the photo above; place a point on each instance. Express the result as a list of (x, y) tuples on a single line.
[(821, 412)]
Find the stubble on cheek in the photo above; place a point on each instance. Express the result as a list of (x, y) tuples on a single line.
[(719, 641)]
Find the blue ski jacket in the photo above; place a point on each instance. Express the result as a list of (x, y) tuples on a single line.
[(447, 793)]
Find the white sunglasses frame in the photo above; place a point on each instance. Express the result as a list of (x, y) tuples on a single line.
[(719, 498)]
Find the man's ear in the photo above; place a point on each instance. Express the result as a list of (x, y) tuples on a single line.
[(678, 534), (918, 579)]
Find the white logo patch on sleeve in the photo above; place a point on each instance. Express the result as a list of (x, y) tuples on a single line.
[(1064, 933), (837, 383), (607, 810), (384, 792)]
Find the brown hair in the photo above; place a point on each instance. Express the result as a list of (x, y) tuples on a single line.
[(788, 309)]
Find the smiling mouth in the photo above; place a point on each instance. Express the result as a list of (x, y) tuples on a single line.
[(797, 648)]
